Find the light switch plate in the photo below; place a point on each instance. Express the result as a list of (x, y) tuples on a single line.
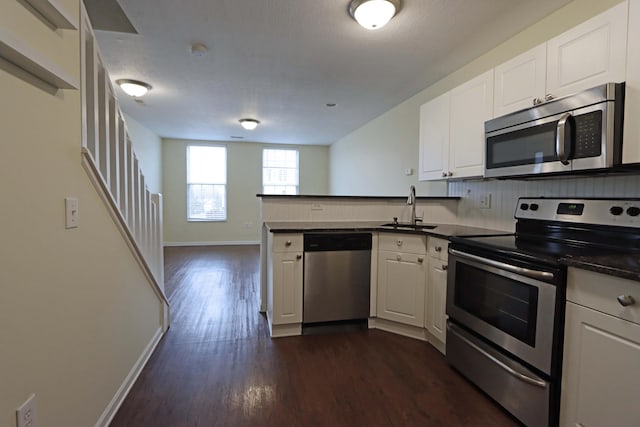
[(71, 209)]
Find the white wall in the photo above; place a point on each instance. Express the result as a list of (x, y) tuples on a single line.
[(148, 147), (372, 159), (76, 311), (244, 181)]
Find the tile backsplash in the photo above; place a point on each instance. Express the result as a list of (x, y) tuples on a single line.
[(504, 195)]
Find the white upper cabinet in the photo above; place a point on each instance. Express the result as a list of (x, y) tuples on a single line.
[(520, 80), (589, 54), (452, 130), (471, 106), (631, 145), (434, 138)]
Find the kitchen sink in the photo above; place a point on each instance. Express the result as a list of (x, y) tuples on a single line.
[(409, 225)]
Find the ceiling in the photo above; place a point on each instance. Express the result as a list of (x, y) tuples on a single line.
[(282, 61)]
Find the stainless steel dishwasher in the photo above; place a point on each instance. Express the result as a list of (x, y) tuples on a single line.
[(337, 275)]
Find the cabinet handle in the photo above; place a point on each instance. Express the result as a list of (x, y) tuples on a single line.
[(288, 243), (438, 248), (626, 300), (298, 256), (537, 101), (444, 174), (450, 174), (399, 242), (548, 97), (420, 259), (445, 267), (398, 257)]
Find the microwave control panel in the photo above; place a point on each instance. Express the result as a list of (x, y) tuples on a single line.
[(588, 134)]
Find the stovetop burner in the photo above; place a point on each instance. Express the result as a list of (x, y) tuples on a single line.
[(548, 230)]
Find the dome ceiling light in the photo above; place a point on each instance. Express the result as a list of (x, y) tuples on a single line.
[(134, 88), (249, 124), (373, 14)]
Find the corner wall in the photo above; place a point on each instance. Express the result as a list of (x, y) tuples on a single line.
[(244, 181)]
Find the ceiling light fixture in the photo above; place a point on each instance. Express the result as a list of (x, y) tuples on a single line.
[(249, 124), (373, 14), (134, 88)]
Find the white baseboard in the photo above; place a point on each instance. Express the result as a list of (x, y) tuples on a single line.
[(113, 406), (228, 243)]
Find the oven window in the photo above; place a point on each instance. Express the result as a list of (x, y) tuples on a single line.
[(523, 147), (507, 304)]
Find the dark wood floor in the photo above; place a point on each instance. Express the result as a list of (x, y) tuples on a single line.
[(217, 365)]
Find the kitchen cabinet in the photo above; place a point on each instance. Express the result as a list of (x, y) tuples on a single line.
[(402, 278), (601, 370), (452, 139), (435, 316), (589, 54), (434, 138), (631, 145), (284, 284), (471, 106), (520, 80)]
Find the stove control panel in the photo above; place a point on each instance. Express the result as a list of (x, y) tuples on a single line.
[(615, 212)]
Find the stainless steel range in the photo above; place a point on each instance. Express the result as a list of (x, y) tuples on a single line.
[(506, 297)]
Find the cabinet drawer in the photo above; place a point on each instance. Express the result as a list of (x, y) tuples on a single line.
[(437, 248), (601, 292), (287, 242), (397, 242)]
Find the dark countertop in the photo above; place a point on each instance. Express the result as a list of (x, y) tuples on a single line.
[(324, 196), (623, 265), (444, 231)]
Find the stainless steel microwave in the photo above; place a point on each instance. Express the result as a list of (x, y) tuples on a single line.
[(575, 133)]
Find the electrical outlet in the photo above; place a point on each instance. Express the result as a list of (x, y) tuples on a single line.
[(485, 201), (316, 207), (248, 225), (26, 413)]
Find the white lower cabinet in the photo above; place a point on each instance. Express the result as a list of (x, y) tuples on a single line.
[(402, 278), (436, 316), (284, 282), (601, 362)]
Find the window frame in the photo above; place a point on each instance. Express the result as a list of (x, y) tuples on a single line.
[(225, 184), (297, 151)]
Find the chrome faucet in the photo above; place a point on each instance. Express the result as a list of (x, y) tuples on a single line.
[(411, 201)]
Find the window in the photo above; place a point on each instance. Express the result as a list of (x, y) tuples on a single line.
[(279, 171), (206, 183)]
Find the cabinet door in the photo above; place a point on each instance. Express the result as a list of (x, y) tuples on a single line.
[(436, 299), (589, 54), (631, 146), (434, 138), (401, 287), (287, 288), (520, 80), (471, 106), (601, 372)]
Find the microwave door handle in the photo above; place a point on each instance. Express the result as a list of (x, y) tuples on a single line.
[(561, 134)]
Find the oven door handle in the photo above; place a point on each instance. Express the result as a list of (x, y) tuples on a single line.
[(534, 274), (519, 375)]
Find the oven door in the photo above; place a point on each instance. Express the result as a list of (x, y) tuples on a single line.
[(511, 306)]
